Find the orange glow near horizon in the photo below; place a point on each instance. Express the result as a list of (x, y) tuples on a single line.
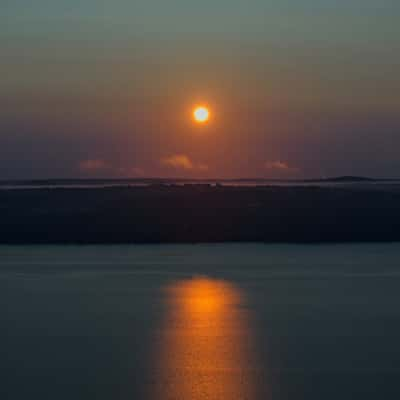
[(201, 114), (205, 349)]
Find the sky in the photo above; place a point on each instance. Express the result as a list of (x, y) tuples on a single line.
[(296, 89)]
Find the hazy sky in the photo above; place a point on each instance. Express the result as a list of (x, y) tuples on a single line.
[(96, 88)]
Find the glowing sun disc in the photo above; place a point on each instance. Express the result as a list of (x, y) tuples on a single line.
[(201, 114)]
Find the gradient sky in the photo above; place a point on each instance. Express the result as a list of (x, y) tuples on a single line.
[(96, 88)]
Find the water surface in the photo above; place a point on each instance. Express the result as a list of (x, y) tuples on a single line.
[(246, 321)]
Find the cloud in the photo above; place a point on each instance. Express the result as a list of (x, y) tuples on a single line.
[(93, 165), (182, 161), (202, 167), (179, 161), (279, 166)]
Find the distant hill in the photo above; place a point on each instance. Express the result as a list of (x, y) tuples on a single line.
[(81, 182), (344, 178), (350, 178)]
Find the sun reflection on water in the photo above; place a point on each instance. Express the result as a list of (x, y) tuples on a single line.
[(205, 346)]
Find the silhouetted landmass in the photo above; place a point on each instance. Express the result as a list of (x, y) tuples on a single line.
[(350, 178), (200, 213), (155, 180)]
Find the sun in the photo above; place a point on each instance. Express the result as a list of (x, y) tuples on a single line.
[(201, 114)]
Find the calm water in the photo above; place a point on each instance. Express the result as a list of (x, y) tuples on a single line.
[(200, 322)]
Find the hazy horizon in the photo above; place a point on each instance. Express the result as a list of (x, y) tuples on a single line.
[(172, 179)]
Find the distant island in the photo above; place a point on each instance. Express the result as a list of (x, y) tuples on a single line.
[(351, 179), (190, 213), (168, 181)]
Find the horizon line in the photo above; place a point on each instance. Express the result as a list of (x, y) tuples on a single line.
[(344, 178)]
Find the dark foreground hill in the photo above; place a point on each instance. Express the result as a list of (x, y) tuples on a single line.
[(199, 213)]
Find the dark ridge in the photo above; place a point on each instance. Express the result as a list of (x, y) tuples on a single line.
[(200, 213), (349, 178), (156, 180)]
